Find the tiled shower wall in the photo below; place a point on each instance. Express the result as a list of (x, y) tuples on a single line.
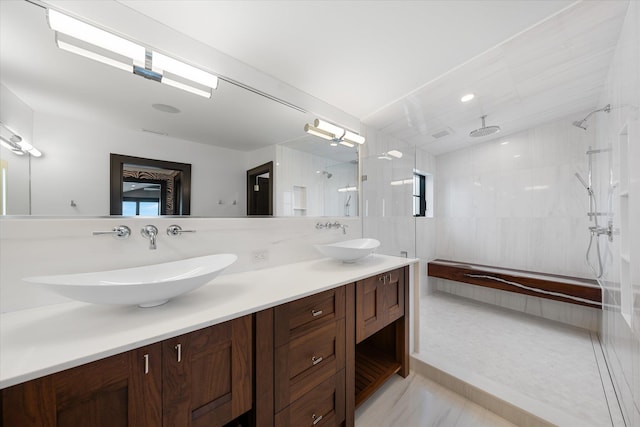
[(618, 193), (515, 202)]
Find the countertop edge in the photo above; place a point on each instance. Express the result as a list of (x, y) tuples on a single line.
[(32, 353)]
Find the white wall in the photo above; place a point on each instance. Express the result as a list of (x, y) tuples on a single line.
[(19, 117), (516, 204), (76, 167), (621, 279)]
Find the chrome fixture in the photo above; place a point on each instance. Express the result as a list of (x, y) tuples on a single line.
[(14, 142), (596, 230), (119, 232), (582, 124), (333, 133), (150, 232), (176, 230), (83, 39), (330, 225), (484, 130)]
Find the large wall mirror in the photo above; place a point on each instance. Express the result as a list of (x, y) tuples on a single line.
[(78, 112)]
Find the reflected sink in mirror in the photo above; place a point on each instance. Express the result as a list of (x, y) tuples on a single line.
[(146, 286), (350, 250)]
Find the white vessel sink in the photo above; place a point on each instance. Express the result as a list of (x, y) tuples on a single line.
[(146, 286), (349, 250)]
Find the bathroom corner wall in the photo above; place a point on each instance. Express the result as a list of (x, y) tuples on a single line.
[(620, 333), (38, 246)]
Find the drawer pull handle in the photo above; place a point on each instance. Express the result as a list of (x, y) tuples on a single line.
[(316, 360), (179, 350), (316, 419), (316, 313), (146, 364), (383, 279)]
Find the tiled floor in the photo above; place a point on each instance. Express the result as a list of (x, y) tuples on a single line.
[(550, 369), (419, 402)]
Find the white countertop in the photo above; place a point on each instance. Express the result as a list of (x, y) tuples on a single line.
[(49, 339)]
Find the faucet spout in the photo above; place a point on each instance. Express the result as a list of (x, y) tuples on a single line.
[(151, 233)]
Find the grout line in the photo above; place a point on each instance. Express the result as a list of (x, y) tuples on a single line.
[(608, 374), (604, 390)]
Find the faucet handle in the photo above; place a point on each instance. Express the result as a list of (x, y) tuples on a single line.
[(120, 232), (176, 230)]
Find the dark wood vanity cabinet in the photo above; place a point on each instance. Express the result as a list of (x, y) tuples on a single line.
[(379, 301), (122, 390), (304, 355), (200, 378), (382, 330), (309, 362)]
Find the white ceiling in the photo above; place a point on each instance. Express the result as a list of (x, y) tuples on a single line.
[(356, 55), (400, 66)]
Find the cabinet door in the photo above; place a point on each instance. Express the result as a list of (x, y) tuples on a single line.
[(207, 376), (393, 300), (370, 316), (122, 390)]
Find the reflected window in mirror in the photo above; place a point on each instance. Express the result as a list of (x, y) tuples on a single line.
[(149, 187)]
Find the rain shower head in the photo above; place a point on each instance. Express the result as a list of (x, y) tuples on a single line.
[(582, 124), (484, 130)]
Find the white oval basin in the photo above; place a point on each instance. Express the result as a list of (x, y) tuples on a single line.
[(146, 286), (349, 250)]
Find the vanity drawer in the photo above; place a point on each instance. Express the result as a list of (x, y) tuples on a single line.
[(322, 406), (296, 318), (308, 360)]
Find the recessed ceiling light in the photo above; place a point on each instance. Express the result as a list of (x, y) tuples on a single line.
[(166, 108), (468, 97), (504, 142)]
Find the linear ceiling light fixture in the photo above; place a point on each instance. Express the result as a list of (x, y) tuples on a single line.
[(333, 133), (14, 142), (94, 43)]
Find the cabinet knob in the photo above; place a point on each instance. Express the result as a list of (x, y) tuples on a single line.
[(179, 352), (316, 419), (316, 360), (316, 313), (146, 364)]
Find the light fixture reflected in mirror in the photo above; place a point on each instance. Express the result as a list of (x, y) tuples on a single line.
[(333, 133), (94, 43), (14, 142)]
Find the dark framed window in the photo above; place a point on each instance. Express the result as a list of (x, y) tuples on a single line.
[(419, 195)]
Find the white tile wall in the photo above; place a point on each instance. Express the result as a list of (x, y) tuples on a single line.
[(515, 202), (621, 338), (32, 246)]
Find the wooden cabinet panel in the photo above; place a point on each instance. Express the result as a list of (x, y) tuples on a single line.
[(369, 307), (117, 391), (197, 379), (297, 317), (207, 375), (322, 406), (379, 302), (307, 361)]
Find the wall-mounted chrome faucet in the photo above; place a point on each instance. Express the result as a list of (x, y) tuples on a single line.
[(329, 225), (151, 233), (119, 232)]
